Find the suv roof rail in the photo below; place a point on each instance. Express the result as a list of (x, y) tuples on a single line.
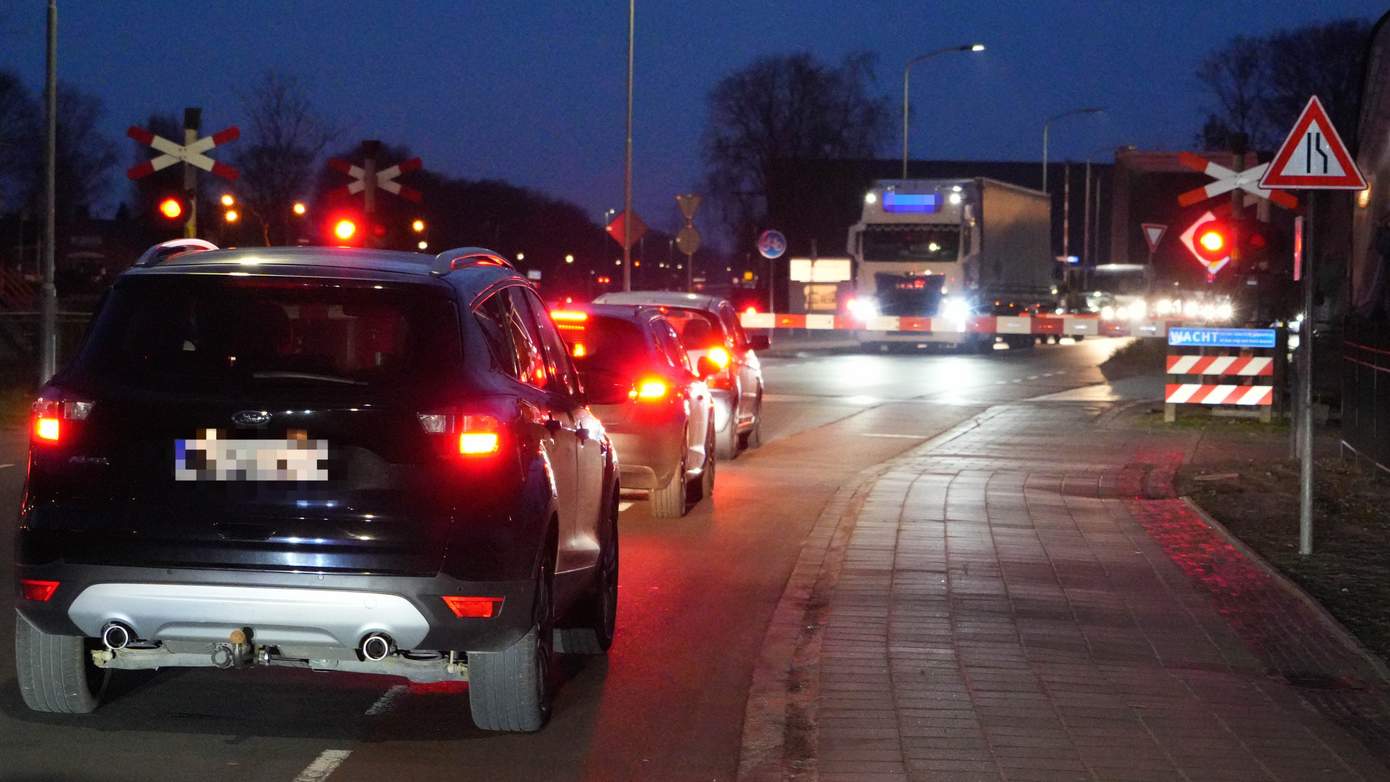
[(165, 250), (459, 257)]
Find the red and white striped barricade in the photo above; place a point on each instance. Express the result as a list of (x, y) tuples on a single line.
[(1220, 367)]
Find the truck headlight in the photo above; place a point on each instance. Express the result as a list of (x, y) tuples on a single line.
[(864, 309), (955, 310)]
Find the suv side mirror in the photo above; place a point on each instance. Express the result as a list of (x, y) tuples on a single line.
[(603, 388), (759, 342), (706, 368)]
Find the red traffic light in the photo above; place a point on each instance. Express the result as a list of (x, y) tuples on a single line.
[(344, 229), (1211, 242), (171, 208)]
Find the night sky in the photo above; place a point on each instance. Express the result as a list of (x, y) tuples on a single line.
[(533, 92)]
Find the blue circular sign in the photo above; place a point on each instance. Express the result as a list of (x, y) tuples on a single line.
[(772, 244)]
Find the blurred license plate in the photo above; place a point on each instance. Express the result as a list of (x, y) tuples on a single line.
[(213, 459)]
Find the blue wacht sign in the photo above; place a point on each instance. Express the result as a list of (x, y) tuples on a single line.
[(1194, 337)]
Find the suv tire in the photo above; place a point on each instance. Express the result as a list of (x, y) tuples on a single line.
[(595, 616), (510, 690), (55, 672), (707, 474), (670, 501), (753, 438)]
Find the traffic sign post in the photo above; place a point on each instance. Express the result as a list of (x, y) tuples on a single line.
[(771, 245), (1311, 158), (688, 240)]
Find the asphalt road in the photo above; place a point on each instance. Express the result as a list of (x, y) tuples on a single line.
[(695, 598)]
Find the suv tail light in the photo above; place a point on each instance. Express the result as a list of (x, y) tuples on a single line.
[(474, 435), (51, 412), (34, 589), (473, 607), (479, 435)]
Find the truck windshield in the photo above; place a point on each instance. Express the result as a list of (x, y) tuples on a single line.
[(935, 243)]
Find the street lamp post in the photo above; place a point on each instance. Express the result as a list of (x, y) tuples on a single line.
[(907, 72), (1051, 120)]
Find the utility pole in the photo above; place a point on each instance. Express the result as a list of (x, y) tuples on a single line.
[(1066, 210), (48, 298), (627, 156), (192, 119), (1086, 219)]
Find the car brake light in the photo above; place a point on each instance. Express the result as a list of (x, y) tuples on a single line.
[(33, 589), (579, 351), (649, 390), (479, 435), (568, 316), (47, 429), (719, 356), (473, 607), (50, 413)]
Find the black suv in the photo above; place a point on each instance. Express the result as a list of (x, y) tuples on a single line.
[(347, 460)]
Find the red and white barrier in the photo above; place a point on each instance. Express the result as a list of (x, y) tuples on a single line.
[(1203, 394), (1245, 366), (1064, 325)]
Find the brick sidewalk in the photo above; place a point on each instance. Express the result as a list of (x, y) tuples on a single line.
[(1002, 604)]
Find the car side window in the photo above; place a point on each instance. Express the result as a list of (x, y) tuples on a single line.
[(530, 358), (671, 346), (731, 325), (557, 356), (493, 316)]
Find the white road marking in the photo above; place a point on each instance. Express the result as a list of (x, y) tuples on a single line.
[(323, 765), (622, 506), (3, 466), (896, 436), (387, 699), (1032, 377)]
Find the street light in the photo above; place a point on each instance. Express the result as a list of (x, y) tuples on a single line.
[(228, 200), (907, 71), (418, 226), (1052, 119), (299, 208), (569, 258)]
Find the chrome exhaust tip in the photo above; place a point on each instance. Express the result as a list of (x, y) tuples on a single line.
[(116, 636), (376, 646)]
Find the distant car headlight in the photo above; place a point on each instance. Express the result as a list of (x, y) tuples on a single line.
[(865, 309), (1225, 310), (1107, 312)]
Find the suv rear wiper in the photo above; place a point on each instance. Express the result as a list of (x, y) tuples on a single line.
[(347, 381)]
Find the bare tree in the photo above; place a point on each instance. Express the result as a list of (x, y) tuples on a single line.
[(286, 136), (19, 138), (781, 109), (85, 155), (1259, 85)]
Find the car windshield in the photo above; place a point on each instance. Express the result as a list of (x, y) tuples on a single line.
[(215, 332)]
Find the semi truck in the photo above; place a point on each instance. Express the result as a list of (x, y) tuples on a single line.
[(948, 250)]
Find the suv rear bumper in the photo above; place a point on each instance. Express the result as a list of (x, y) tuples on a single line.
[(292, 609)]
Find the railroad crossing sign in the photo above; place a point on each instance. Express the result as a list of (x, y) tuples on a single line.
[(1313, 157), (689, 204), (772, 244), (1227, 180), (385, 179), (1152, 233), (192, 154), (615, 228)]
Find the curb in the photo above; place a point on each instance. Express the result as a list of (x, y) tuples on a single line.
[(1338, 630), (779, 723)]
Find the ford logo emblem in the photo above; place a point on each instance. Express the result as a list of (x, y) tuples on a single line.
[(251, 418)]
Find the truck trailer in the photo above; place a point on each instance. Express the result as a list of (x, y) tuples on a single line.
[(948, 250)]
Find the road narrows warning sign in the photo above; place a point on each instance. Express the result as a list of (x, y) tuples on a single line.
[(1313, 156)]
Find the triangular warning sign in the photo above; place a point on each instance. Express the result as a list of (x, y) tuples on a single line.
[(1313, 157), (1152, 233)]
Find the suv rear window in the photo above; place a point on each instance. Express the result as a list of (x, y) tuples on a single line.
[(214, 333)]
